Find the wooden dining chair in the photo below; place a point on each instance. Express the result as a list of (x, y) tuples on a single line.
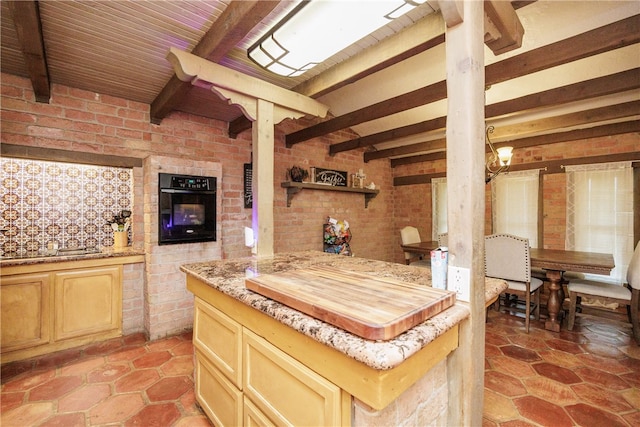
[(508, 257), (627, 294), (410, 235)]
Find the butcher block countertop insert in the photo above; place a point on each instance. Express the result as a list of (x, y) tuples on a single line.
[(370, 307)]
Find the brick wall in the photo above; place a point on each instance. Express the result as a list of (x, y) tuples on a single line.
[(424, 404), (168, 303), (133, 298), (299, 227), (78, 120), (412, 203), (82, 121), (555, 210)]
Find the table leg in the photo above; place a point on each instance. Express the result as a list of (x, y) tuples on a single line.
[(554, 304)]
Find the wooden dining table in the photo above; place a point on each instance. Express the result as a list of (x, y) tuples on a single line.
[(420, 248), (555, 262)]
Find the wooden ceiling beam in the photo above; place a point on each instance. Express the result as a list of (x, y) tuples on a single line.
[(389, 135), (594, 115), (235, 22), (416, 98), (407, 150), (503, 29), (546, 167), (593, 88), (612, 36), (26, 17), (539, 140), (603, 39)]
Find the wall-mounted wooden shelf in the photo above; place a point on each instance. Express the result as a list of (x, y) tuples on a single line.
[(296, 187)]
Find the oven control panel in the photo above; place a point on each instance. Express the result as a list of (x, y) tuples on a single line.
[(186, 182), (190, 183)]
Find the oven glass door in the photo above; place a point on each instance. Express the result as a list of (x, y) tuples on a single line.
[(187, 216)]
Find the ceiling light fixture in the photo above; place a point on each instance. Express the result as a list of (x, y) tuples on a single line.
[(316, 30), (500, 159)]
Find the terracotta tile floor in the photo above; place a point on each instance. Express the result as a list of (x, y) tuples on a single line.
[(121, 382), (589, 377)]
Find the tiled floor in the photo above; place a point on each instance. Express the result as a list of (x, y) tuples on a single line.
[(589, 377), (122, 382)]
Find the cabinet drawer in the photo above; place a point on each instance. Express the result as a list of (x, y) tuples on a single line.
[(25, 308), (219, 398), (219, 338), (286, 391)]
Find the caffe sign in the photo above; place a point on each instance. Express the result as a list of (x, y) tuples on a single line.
[(331, 177)]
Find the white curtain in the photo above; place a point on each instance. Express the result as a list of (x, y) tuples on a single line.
[(600, 213), (438, 207), (514, 200)]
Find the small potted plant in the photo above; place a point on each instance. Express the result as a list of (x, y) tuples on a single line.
[(120, 224), (297, 174)]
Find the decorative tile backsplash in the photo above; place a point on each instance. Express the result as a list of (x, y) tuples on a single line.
[(44, 202)]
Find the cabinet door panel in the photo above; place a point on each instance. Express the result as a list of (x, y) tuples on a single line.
[(87, 301), (219, 338), (253, 417), (219, 398), (25, 311), (285, 390)]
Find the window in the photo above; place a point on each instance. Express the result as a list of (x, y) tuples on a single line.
[(438, 207), (514, 201), (600, 212)]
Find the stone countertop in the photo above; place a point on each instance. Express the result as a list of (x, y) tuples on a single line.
[(107, 252), (228, 276)]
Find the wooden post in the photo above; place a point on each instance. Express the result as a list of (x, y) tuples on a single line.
[(466, 203), (263, 154)]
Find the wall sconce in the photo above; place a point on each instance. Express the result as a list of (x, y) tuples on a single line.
[(500, 159), (316, 30)]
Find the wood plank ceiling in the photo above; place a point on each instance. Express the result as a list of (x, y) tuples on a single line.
[(577, 74)]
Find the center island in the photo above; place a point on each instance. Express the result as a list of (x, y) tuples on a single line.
[(261, 362)]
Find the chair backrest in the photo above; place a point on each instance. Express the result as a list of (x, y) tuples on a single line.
[(633, 272), (507, 257), (443, 239), (409, 235)]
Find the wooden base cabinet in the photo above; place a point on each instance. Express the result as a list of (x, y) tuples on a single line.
[(242, 379), (87, 301), (25, 309), (52, 310)]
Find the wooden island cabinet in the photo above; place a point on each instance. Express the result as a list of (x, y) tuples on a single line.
[(260, 362), (242, 379), (51, 306)]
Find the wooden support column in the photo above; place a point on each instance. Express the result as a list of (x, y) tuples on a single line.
[(466, 204), (263, 149)]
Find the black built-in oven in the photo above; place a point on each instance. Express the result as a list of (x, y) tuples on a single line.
[(186, 209)]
